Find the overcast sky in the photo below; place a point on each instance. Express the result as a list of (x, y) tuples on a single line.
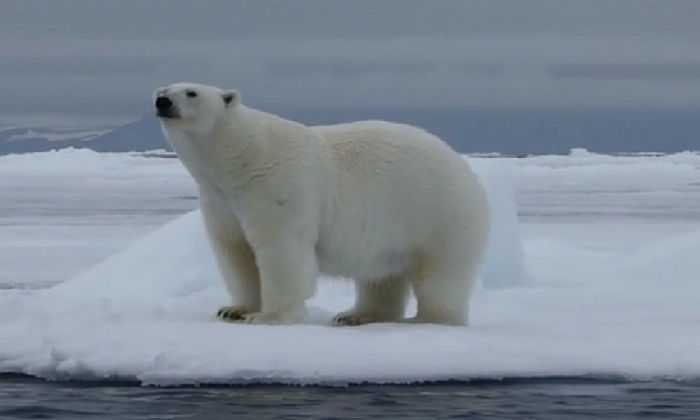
[(103, 58)]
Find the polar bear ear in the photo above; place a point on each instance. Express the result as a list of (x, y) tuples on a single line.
[(231, 97)]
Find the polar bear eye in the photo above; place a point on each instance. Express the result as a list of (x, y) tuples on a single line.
[(191, 94)]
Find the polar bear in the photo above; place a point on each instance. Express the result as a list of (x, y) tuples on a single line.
[(388, 205)]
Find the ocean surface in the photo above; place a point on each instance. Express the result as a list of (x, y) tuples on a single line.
[(54, 226), (552, 398)]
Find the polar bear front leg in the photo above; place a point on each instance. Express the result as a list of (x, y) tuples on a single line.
[(288, 272), (235, 260), (240, 275)]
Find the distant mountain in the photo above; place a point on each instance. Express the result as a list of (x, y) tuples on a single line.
[(138, 136), (24, 139), (141, 135), (513, 132)]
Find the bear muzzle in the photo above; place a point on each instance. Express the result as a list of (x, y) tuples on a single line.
[(165, 107)]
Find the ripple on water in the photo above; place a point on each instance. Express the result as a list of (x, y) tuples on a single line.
[(552, 398)]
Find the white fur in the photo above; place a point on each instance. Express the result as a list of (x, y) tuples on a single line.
[(388, 205)]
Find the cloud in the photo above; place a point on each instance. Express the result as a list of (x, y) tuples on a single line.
[(106, 57), (77, 66), (627, 71), (313, 19)]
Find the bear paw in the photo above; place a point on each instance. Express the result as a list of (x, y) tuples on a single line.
[(351, 318), (455, 320), (274, 318), (232, 313)]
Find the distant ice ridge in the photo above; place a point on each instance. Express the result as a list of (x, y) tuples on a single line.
[(57, 135)]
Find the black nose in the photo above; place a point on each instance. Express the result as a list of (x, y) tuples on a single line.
[(163, 103)]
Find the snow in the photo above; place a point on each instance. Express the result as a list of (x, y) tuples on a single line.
[(603, 282)]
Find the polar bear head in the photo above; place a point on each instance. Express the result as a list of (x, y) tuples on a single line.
[(194, 106)]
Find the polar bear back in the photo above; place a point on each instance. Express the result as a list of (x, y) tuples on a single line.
[(380, 152), (400, 190)]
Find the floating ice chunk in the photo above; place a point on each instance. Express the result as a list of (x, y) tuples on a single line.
[(504, 262)]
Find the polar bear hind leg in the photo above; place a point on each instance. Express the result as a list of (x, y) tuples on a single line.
[(442, 288), (377, 301)]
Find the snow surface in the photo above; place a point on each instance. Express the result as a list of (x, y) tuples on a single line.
[(611, 286)]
